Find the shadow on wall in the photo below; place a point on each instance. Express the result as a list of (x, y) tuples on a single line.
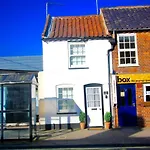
[(51, 119)]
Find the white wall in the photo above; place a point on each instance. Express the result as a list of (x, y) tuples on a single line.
[(56, 72)]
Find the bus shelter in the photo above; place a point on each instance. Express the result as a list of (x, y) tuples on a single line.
[(18, 106)]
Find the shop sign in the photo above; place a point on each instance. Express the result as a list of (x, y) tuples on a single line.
[(133, 78)]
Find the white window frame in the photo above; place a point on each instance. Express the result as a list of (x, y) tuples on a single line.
[(77, 66), (144, 91), (130, 49), (59, 99)]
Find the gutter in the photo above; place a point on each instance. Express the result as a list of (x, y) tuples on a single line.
[(113, 44)]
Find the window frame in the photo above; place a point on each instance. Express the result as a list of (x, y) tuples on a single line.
[(144, 91), (125, 50), (84, 66), (57, 95)]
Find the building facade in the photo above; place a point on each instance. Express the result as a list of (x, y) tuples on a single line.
[(131, 63), (75, 73)]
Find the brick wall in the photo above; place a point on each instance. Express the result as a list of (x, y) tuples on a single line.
[(143, 46)]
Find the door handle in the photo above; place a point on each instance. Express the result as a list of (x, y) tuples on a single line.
[(133, 104)]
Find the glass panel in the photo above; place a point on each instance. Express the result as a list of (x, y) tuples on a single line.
[(122, 61), (127, 54), (126, 38), (34, 112), (127, 45), (132, 45), (121, 45), (65, 101), (129, 97), (131, 38), (147, 88), (121, 39), (147, 98), (121, 54), (122, 97), (16, 118), (93, 97), (16, 97), (133, 60), (132, 53), (127, 60), (77, 60), (16, 133)]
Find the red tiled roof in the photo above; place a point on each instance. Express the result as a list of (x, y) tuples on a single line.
[(73, 27)]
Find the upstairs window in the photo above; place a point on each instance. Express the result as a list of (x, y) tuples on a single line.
[(127, 50), (77, 55)]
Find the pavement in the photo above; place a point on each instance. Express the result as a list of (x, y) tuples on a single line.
[(120, 137)]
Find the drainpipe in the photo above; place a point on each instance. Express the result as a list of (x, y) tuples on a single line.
[(113, 44)]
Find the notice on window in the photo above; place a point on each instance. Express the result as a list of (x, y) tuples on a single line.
[(122, 94)]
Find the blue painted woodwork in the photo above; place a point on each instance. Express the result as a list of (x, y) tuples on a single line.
[(127, 105)]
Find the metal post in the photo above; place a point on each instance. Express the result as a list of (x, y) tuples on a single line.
[(30, 114), (97, 7), (2, 119)]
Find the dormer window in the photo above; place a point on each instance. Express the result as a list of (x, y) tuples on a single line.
[(127, 50)]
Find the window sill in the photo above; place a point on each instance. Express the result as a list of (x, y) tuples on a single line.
[(62, 113), (78, 68), (136, 65)]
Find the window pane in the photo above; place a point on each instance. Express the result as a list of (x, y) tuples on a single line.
[(65, 101), (132, 53), (147, 88), (127, 60), (127, 54), (121, 46), (132, 45), (133, 60), (121, 54), (21, 117), (147, 97), (93, 97), (127, 45), (121, 39), (122, 61), (16, 97), (122, 97), (131, 38), (126, 38)]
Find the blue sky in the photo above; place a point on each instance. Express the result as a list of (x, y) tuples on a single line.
[(22, 21)]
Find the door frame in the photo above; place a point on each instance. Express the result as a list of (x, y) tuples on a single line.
[(85, 104)]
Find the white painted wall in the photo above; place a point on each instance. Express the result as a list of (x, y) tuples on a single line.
[(56, 72)]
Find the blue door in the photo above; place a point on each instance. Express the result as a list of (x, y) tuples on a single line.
[(126, 105)]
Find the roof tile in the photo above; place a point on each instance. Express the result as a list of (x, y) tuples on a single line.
[(127, 18), (73, 27)]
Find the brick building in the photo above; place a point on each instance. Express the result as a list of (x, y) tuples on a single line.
[(131, 63)]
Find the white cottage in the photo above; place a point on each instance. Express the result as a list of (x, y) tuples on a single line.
[(75, 73)]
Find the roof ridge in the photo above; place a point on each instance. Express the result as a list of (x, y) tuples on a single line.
[(59, 17), (127, 7)]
